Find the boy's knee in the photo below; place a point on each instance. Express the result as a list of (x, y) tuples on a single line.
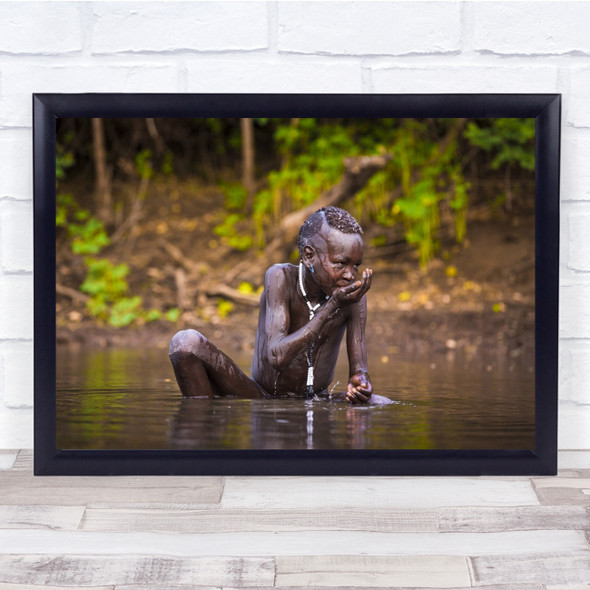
[(187, 342)]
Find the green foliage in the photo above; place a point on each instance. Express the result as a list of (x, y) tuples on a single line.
[(125, 311), (511, 141), (107, 286), (224, 308), (260, 215), (172, 315), (379, 241), (64, 159), (89, 237), (313, 160), (143, 164), (246, 288), (426, 174), (424, 179), (168, 164), (152, 315), (104, 279), (86, 233), (315, 151), (231, 236), (409, 191), (459, 202), (235, 195), (235, 200), (105, 283), (64, 203), (249, 289)]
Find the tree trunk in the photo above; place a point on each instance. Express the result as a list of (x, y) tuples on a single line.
[(248, 154), (104, 198), (155, 135), (508, 186)]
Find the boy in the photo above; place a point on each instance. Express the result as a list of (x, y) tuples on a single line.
[(304, 312)]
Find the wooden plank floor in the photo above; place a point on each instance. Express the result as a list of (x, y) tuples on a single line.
[(127, 533)]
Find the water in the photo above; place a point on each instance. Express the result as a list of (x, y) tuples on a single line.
[(128, 399)]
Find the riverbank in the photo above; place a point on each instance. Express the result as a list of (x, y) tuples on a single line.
[(474, 298)]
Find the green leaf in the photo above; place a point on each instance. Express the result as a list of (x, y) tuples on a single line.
[(152, 315), (172, 315), (224, 308), (143, 164), (125, 311)]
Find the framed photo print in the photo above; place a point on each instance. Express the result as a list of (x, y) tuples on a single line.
[(296, 284)]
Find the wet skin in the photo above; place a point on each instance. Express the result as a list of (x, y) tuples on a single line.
[(285, 331)]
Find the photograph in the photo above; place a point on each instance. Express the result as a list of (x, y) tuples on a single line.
[(270, 284), (295, 294)]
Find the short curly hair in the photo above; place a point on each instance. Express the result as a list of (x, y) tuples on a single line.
[(334, 217)]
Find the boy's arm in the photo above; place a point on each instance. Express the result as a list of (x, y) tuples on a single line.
[(359, 386), (284, 347)]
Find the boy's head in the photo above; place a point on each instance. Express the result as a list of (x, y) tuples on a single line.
[(333, 217)]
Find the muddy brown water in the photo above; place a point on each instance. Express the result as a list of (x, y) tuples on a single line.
[(128, 399)]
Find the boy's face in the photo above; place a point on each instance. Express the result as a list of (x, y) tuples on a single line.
[(337, 258)]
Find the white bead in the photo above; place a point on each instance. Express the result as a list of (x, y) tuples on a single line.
[(310, 376)]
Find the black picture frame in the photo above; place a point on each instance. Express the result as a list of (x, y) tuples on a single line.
[(49, 460)]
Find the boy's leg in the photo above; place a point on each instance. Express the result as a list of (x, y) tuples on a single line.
[(202, 369)]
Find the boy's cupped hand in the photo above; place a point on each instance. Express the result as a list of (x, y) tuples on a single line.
[(354, 292), (359, 389)]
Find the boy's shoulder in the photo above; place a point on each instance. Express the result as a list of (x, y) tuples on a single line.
[(280, 271)]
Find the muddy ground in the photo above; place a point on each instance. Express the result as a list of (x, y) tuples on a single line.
[(476, 298)]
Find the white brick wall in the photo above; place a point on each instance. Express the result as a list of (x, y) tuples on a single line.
[(489, 77), (16, 163), (16, 381), (16, 238), (288, 47), (20, 79), (520, 28), (578, 115), (575, 172), (303, 75), (29, 28), (180, 26), (353, 28), (16, 306), (578, 242)]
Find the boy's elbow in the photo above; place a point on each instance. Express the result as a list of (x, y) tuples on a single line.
[(277, 359)]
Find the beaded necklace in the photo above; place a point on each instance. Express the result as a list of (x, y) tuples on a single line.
[(312, 310)]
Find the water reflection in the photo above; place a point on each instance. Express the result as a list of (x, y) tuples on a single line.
[(274, 424), (127, 399)]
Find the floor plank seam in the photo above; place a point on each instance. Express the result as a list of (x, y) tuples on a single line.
[(223, 481), (80, 527), (471, 570), (535, 491)]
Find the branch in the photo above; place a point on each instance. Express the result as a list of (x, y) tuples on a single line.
[(176, 254), (220, 290), (358, 171), (182, 298), (71, 293), (195, 270)]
